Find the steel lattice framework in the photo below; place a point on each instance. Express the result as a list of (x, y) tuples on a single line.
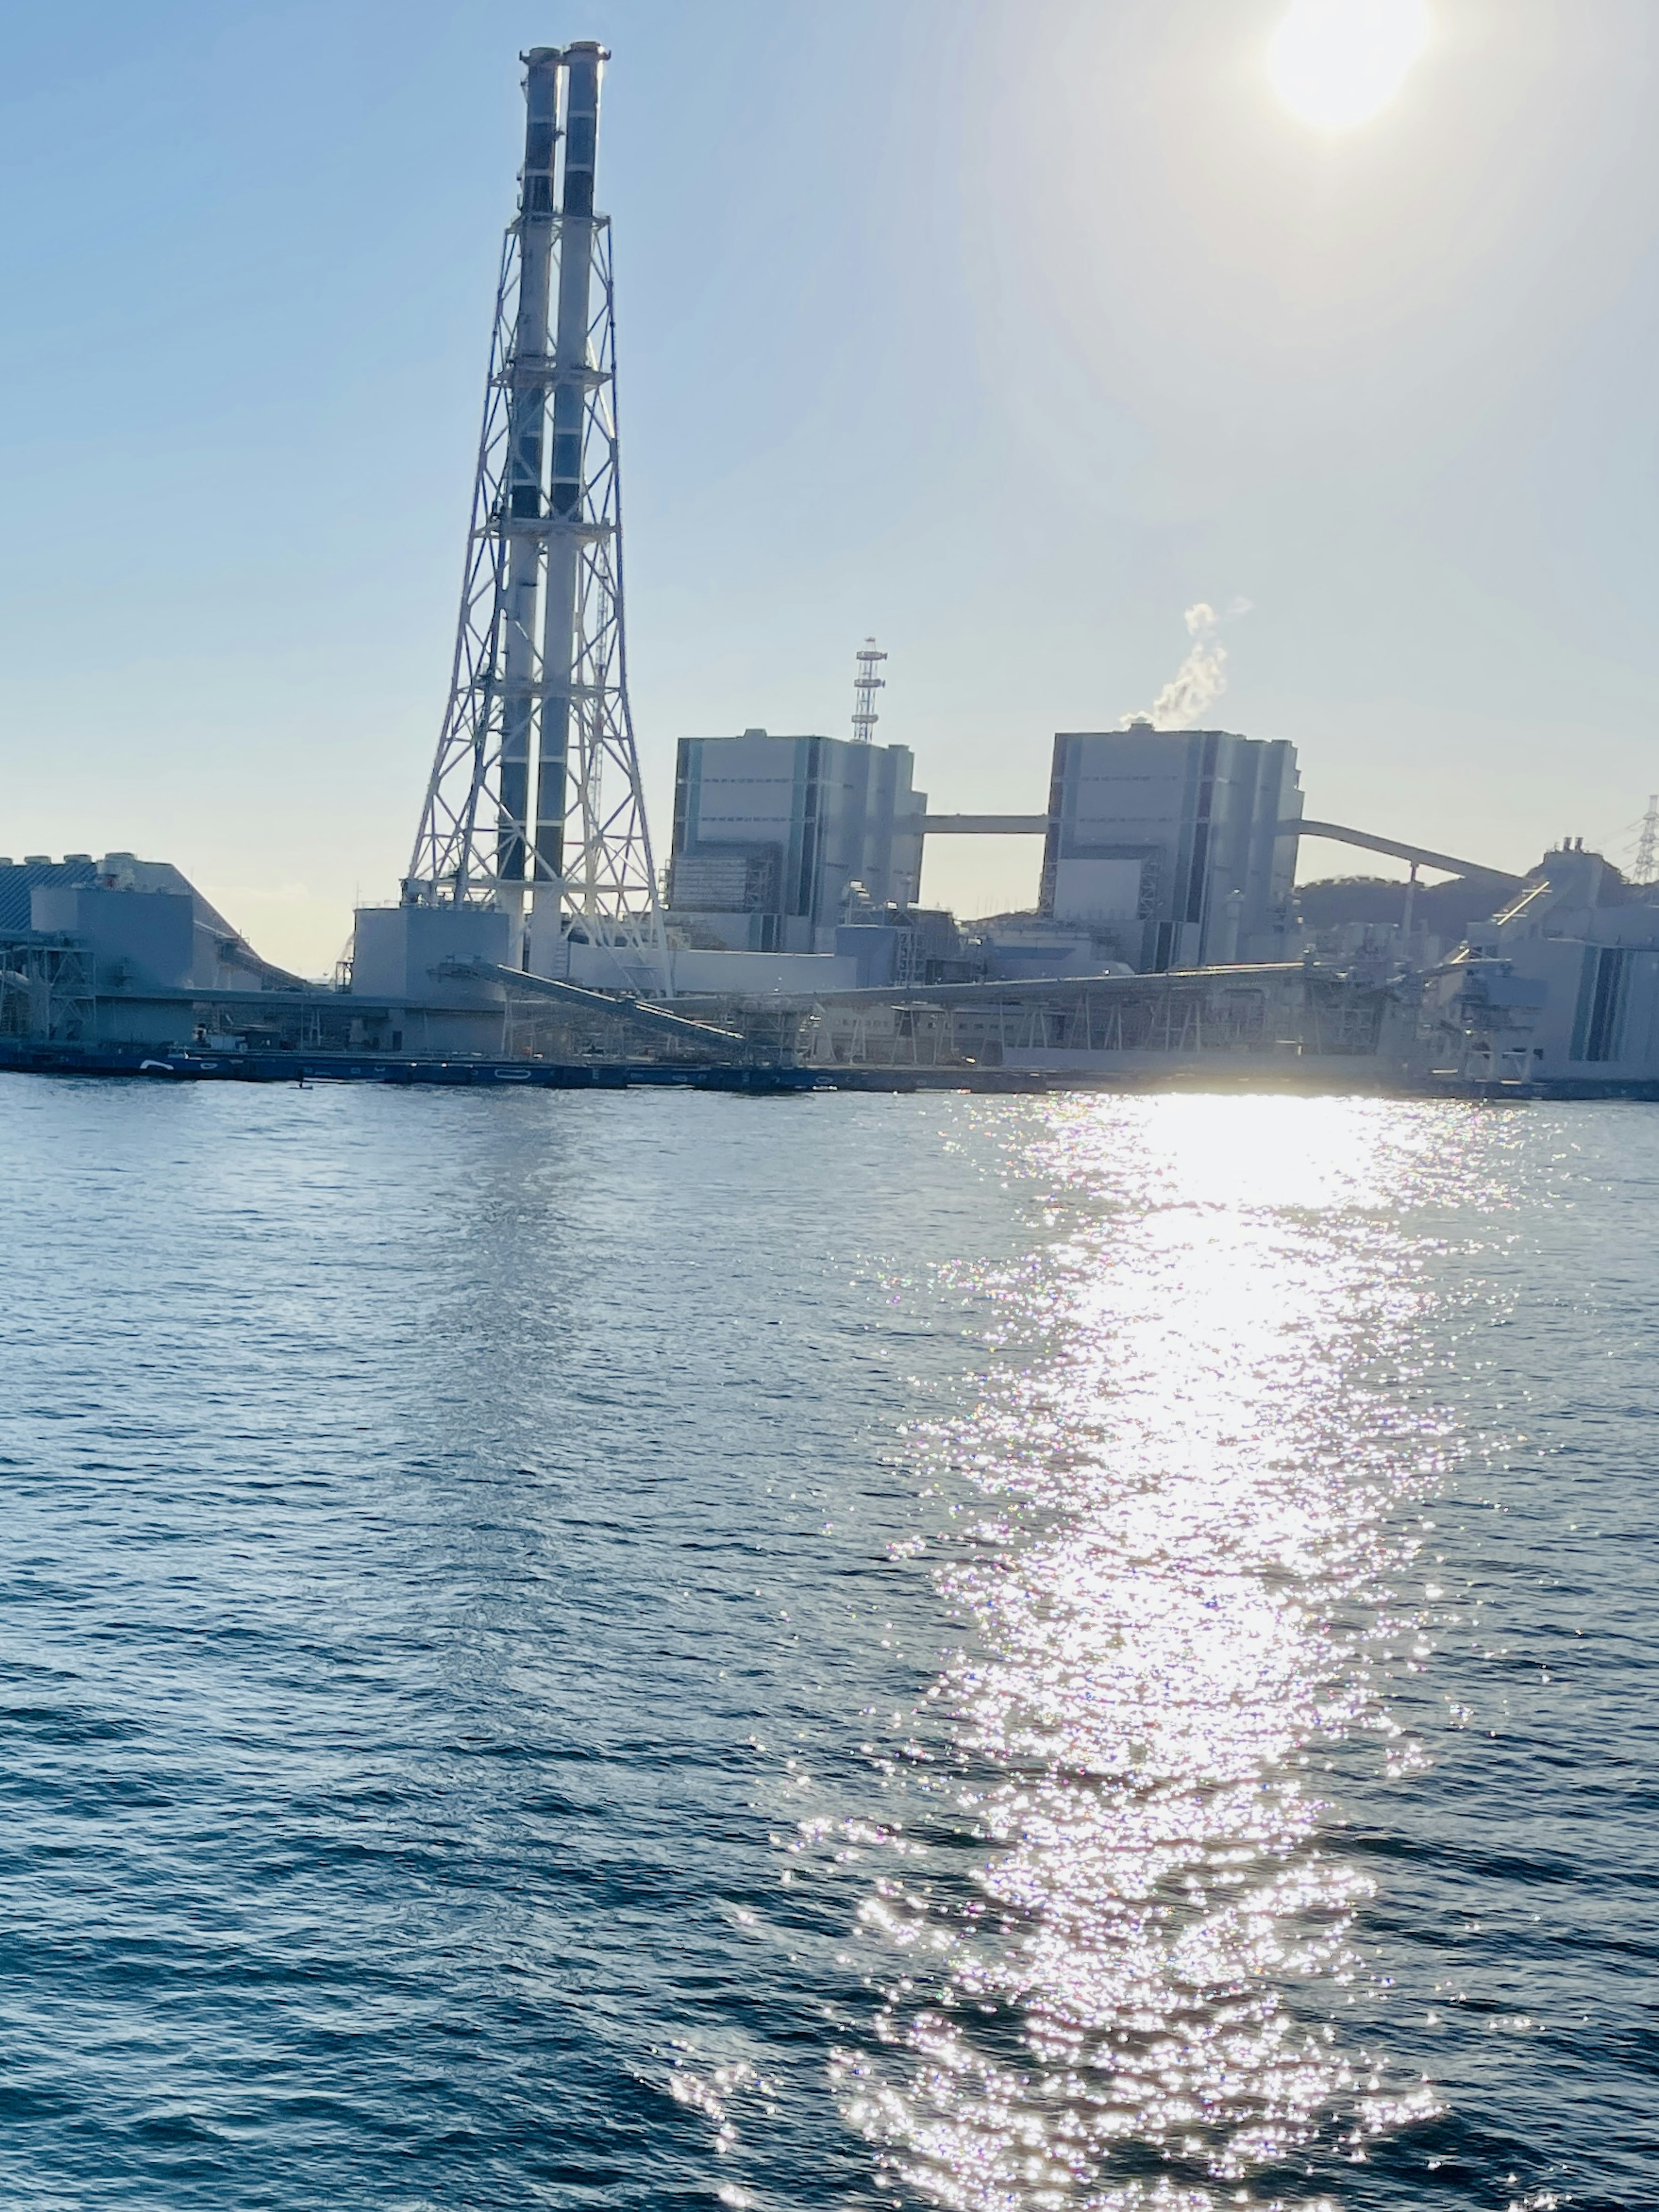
[(535, 790)]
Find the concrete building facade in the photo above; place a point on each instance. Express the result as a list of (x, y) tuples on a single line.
[(1560, 988), (1164, 844), (771, 833)]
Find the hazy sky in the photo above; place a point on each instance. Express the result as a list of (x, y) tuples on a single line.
[(1006, 331)]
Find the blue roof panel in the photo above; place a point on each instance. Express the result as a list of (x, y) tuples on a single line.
[(17, 882)]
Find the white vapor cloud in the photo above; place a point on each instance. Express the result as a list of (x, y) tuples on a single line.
[(1201, 677)]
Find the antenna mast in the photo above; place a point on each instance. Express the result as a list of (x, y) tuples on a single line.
[(866, 684), (1647, 848), (535, 806)]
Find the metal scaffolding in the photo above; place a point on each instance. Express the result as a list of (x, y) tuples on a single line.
[(866, 684), (1276, 1013), (535, 805), (45, 989)]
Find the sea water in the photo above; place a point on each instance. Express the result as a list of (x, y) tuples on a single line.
[(656, 1650)]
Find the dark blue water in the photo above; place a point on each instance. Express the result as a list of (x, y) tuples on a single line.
[(658, 1650)]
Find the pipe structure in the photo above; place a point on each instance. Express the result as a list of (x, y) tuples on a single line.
[(1034, 825), (571, 367), (1419, 855), (525, 525), (635, 1011)]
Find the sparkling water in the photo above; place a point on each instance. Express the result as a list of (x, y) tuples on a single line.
[(657, 1650)]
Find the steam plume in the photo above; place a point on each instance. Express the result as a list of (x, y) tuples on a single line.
[(1201, 677)]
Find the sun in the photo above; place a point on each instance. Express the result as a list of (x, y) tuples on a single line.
[(1336, 63)]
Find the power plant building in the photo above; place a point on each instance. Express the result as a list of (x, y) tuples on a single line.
[(1166, 845), (771, 833)]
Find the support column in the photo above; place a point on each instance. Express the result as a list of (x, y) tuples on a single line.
[(572, 366), (523, 497)]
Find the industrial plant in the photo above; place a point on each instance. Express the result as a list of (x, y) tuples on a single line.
[(781, 941)]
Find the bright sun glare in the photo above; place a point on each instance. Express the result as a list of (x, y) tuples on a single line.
[(1336, 63)]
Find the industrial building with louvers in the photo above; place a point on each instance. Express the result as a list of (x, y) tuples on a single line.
[(771, 833), (1167, 845)]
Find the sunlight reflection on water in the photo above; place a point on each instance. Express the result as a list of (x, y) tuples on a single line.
[(1196, 1456)]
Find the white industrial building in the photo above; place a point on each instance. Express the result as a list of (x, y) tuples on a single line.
[(772, 833), (1167, 845), (1560, 989)]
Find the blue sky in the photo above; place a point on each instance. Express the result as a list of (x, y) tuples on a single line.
[(1004, 331)]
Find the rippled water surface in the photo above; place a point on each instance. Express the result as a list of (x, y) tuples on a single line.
[(659, 1651)]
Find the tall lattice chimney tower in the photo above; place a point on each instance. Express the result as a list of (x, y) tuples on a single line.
[(535, 807)]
